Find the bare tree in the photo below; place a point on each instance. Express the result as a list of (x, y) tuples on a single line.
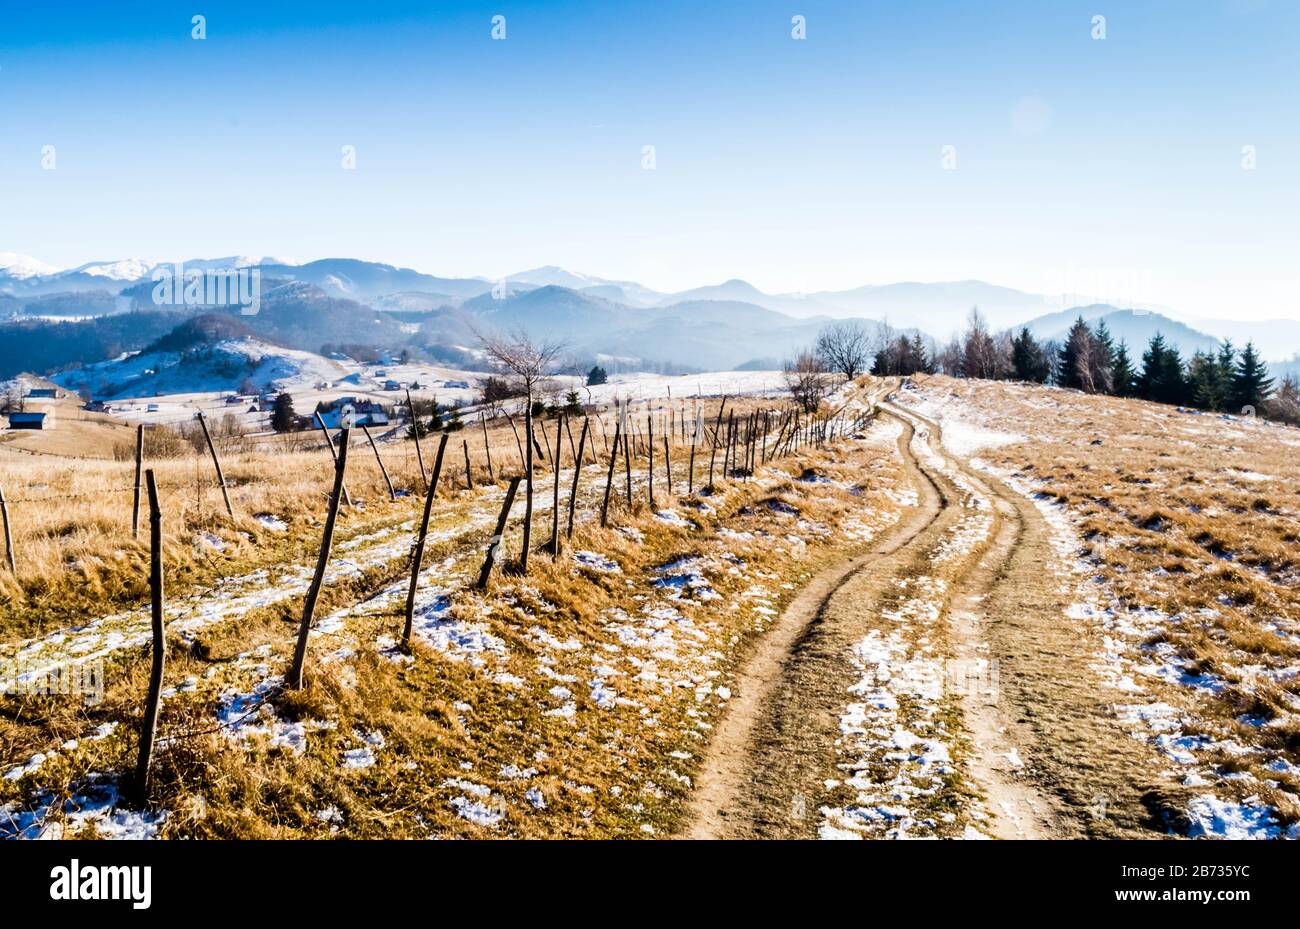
[(528, 364), (845, 348), (980, 352), (807, 381)]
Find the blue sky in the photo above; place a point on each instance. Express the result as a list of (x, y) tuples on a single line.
[(1111, 167)]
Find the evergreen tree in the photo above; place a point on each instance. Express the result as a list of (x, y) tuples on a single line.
[(1250, 386), (572, 404), (1161, 379), (453, 420), (1123, 377), (1074, 369), (283, 417), (1206, 386), (1028, 359), (597, 376), (1101, 360)]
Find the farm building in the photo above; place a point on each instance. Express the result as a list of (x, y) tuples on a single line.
[(30, 421), (367, 412), (43, 393)]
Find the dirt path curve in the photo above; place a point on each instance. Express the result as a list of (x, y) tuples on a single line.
[(776, 746), (736, 795), (995, 765), (1050, 707)]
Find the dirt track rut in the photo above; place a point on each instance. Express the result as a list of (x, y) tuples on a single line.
[(1041, 756)]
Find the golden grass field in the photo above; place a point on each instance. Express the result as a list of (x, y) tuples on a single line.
[(499, 683), (1184, 529), (583, 698)]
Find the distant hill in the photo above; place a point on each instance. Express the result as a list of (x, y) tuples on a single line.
[(201, 366), (1135, 327), (42, 346)]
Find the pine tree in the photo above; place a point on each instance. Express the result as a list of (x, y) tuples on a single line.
[(1101, 360), (1251, 386), (1028, 359), (1073, 364), (596, 376), (283, 417), (1123, 377), (1206, 386), (1161, 379)]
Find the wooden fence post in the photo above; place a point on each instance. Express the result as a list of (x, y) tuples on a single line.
[(627, 465), (139, 463), (221, 478), (668, 466), (495, 544), (9, 539), (487, 449), (392, 494), (294, 679), (415, 434), (329, 444), (609, 478), (417, 557), (555, 500), (577, 473), (149, 726), (518, 441), (469, 475), (690, 469), (650, 444), (528, 488), (437, 466)]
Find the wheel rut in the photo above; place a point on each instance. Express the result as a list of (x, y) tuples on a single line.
[(775, 752)]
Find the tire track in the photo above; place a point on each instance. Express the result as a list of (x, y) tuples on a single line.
[(776, 750), (1050, 705), (782, 719)]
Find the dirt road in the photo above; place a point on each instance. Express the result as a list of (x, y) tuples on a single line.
[(1036, 753)]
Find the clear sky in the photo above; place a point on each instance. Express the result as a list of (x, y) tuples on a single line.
[(1111, 167)]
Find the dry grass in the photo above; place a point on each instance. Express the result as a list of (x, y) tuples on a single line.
[(446, 717), (1189, 521)]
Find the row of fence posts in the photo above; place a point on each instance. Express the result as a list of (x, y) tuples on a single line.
[(744, 445)]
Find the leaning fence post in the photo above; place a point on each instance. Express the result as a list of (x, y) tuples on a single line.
[(609, 478), (392, 494), (415, 434), (487, 449), (9, 539), (221, 478), (329, 444), (495, 544), (149, 726), (555, 500), (139, 462), (577, 473), (627, 466), (417, 557), (668, 465), (437, 466), (294, 680)]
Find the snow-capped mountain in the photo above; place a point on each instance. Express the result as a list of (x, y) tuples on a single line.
[(126, 269), (22, 267)]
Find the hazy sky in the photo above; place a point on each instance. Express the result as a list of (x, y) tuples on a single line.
[(1112, 167)]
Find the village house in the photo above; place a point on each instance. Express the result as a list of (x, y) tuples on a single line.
[(366, 412)]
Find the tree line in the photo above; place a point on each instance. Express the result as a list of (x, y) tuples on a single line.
[(1089, 359)]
